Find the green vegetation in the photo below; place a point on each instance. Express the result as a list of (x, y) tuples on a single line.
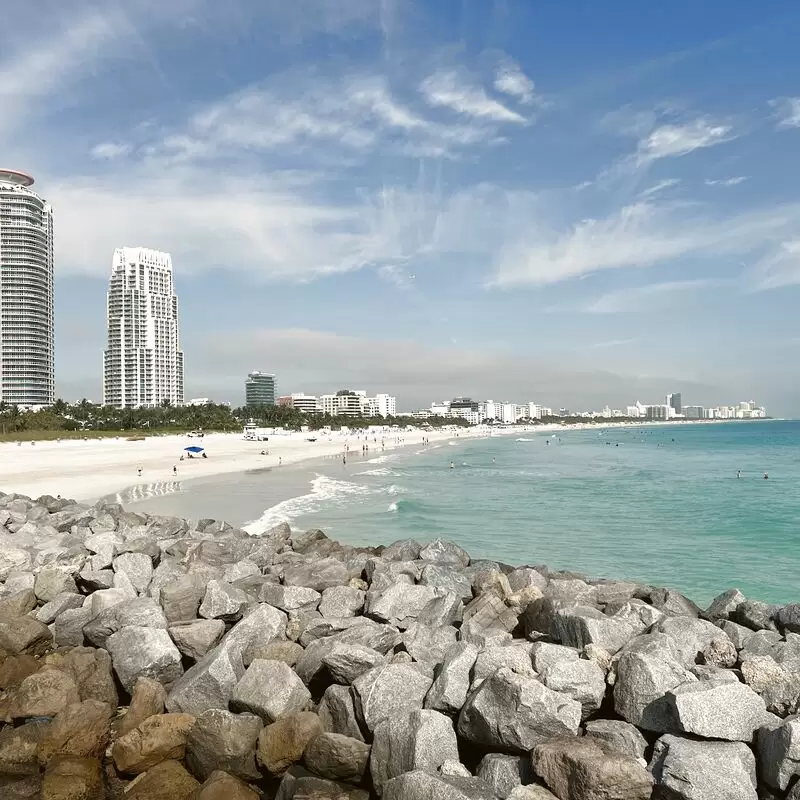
[(87, 420)]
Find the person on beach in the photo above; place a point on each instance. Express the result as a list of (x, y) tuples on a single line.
[(140, 472), (280, 461), (174, 470)]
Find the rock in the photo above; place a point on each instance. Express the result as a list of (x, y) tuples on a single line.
[(514, 713), (341, 601), (144, 652), (692, 637), (777, 685), (260, 625), (389, 690), (25, 635), (17, 604), (420, 739), (687, 769), (318, 575), (724, 605), (73, 778), (523, 577), (638, 614), (398, 604), (337, 712), (194, 638), (788, 618), (138, 567), (585, 769), (444, 609), (107, 598), (642, 682), (13, 559), (760, 643), (426, 643), (403, 550), (221, 740), (62, 602), (180, 599), (288, 652), (716, 710), (222, 786), (756, 615), (778, 750), (93, 579), (738, 634), (532, 792), (345, 662), (19, 748), (622, 736), (454, 769), (207, 684), (545, 654), (80, 729), (489, 611), (504, 773), (142, 612), (337, 757), (451, 684), (21, 788), (673, 604), (448, 579), (52, 581), (719, 653), (421, 785), (282, 743), (516, 658), (440, 551), (44, 694), (241, 569), (158, 738), (14, 670), (581, 680), (270, 689), (165, 781), (147, 700), (223, 601), (580, 626), (289, 598), (302, 786), (69, 625)]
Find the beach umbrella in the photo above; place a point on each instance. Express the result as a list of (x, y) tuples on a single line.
[(193, 449)]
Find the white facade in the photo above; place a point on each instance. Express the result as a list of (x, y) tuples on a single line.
[(492, 410), (143, 364), (534, 411), (387, 405), (26, 293), (509, 413)]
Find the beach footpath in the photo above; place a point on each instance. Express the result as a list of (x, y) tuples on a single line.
[(157, 658)]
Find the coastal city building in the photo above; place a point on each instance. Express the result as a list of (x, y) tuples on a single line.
[(304, 403), (143, 361), (259, 389), (675, 403), (26, 293)]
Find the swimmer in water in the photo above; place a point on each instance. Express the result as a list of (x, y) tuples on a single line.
[(766, 476), (452, 465), (738, 473)]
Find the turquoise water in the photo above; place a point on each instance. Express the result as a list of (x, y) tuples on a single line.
[(661, 505)]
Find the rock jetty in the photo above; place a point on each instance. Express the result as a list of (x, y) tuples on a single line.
[(153, 658)]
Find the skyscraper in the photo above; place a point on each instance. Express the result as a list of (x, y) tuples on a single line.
[(259, 389), (26, 293), (143, 364), (674, 402)]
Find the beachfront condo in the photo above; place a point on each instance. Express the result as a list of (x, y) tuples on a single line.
[(143, 364), (259, 389), (26, 293)]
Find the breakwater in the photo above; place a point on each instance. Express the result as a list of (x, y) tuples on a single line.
[(157, 657)]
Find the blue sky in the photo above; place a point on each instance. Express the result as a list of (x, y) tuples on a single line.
[(575, 203)]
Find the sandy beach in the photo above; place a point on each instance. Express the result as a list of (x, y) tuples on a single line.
[(93, 468)]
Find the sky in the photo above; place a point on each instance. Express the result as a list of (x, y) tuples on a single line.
[(573, 203)]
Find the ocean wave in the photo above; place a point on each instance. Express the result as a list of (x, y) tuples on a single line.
[(379, 472), (378, 460), (395, 489), (392, 507), (324, 491), (526, 440)]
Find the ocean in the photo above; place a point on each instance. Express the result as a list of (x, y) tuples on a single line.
[(661, 505)]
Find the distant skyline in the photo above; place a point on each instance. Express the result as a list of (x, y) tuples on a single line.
[(578, 204)]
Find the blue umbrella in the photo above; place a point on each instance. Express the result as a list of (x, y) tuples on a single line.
[(193, 449)]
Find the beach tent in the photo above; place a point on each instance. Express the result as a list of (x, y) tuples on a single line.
[(193, 449)]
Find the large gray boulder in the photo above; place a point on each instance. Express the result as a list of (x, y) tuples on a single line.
[(270, 689), (545, 654), (581, 626), (642, 682), (422, 739), (692, 637), (687, 769), (451, 684), (144, 652), (289, 598), (448, 578), (778, 749), (337, 712), (319, 574), (517, 657), (389, 691), (489, 611), (756, 615), (421, 785), (778, 684), (223, 601), (513, 713), (724, 605), (504, 773), (337, 757), (345, 662), (620, 735), (716, 709), (207, 684), (429, 643), (587, 768), (220, 740), (440, 551), (138, 568), (398, 604), (581, 680), (180, 598), (143, 612), (194, 638), (341, 601)]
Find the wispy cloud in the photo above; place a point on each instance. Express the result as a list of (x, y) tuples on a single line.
[(735, 181), (679, 140), (779, 268), (110, 150), (448, 89), (643, 298), (613, 343), (659, 187), (787, 111), (511, 80)]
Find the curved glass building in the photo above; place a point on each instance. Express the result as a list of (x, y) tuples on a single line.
[(26, 293)]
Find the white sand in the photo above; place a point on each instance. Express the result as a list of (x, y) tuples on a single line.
[(90, 469)]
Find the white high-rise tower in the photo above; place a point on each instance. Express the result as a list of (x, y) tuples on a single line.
[(143, 364), (26, 293)]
